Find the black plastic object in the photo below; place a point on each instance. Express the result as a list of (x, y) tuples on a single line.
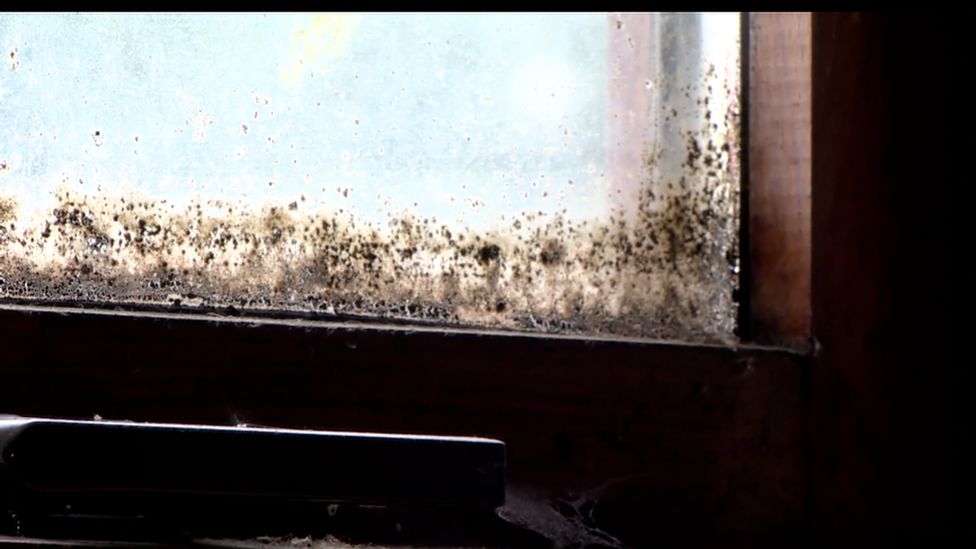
[(55, 472)]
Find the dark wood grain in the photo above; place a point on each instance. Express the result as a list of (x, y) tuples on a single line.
[(881, 393), (779, 178), (689, 441)]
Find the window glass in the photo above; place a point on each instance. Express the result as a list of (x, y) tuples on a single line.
[(573, 172)]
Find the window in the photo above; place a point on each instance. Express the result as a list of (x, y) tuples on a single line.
[(569, 173), (654, 442)]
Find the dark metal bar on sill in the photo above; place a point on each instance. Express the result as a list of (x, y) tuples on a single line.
[(55, 471)]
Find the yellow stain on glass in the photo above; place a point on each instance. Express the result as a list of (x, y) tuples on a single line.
[(323, 35)]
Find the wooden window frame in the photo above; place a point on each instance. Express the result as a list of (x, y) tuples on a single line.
[(689, 442)]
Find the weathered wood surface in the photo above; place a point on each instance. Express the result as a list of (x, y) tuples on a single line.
[(779, 178), (689, 443), (883, 427)]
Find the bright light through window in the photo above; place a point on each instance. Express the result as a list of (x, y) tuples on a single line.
[(565, 172)]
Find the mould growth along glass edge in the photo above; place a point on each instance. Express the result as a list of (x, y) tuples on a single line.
[(661, 262)]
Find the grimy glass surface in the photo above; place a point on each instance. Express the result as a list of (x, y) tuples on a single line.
[(574, 173)]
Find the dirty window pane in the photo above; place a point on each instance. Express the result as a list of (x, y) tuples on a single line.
[(561, 172)]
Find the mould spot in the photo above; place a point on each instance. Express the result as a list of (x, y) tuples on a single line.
[(488, 253), (8, 207), (552, 252)]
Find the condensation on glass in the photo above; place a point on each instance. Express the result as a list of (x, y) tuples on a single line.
[(572, 173)]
